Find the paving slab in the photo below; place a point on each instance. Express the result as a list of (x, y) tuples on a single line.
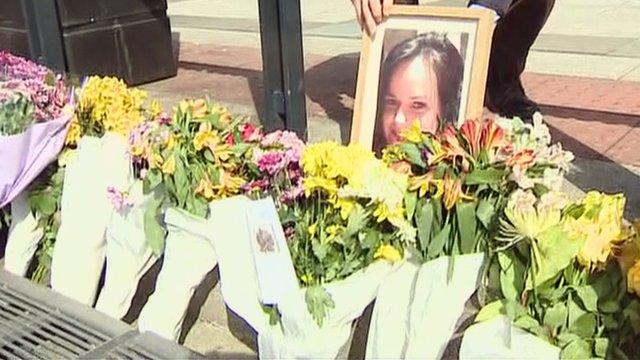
[(583, 65)]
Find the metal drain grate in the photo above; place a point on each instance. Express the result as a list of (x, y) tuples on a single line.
[(32, 330), (37, 323)]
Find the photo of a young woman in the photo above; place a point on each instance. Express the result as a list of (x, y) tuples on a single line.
[(420, 79)]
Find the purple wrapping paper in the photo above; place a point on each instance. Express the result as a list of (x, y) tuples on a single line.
[(24, 156)]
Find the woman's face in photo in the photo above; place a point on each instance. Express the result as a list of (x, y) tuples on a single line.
[(412, 95)]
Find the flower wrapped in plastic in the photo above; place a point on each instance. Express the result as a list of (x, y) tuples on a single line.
[(459, 182), (555, 278), (198, 156), (342, 216)]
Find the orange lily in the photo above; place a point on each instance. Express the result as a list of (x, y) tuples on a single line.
[(523, 158), (492, 136), (453, 192), (471, 131)]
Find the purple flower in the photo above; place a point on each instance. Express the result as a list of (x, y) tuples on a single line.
[(271, 162), (119, 199), (22, 76)]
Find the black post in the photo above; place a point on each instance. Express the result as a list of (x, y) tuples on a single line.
[(45, 36), (283, 66)]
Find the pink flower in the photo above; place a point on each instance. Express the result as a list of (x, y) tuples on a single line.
[(250, 133), (119, 199), (271, 162)]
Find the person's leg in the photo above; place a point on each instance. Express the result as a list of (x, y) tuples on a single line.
[(513, 37)]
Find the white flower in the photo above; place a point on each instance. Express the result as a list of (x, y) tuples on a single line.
[(552, 201), (520, 177)]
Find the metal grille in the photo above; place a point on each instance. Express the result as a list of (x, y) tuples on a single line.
[(37, 323), (30, 330)]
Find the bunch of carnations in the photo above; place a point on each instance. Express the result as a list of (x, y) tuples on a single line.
[(556, 275), (199, 155), (29, 93), (341, 209)]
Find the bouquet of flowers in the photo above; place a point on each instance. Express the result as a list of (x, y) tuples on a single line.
[(35, 109), (341, 209), (106, 112), (198, 157), (201, 154), (459, 183), (556, 274), (34, 114), (460, 178)]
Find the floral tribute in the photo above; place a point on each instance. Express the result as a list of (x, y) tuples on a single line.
[(107, 104), (199, 155), (103, 105), (556, 275), (29, 93), (341, 209), (460, 179)]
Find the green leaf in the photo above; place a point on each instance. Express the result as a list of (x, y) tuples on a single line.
[(424, 221), (484, 176), (208, 155), (466, 216), (357, 221), (319, 249), (584, 325), (490, 311), (153, 179), (528, 323), (577, 349), (370, 239), (413, 154), (556, 316), (318, 303), (410, 202), (564, 338), (556, 253), (485, 213), (153, 229), (632, 312), (601, 346), (274, 314), (589, 297), (511, 277), (436, 246)]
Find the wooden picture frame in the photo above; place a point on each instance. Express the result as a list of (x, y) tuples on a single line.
[(474, 33)]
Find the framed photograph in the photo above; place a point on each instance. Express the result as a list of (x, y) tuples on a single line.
[(426, 64)]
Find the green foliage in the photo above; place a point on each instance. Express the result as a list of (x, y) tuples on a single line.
[(16, 114)]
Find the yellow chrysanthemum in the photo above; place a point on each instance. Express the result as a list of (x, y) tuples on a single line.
[(346, 206), (388, 252), (528, 219), (600, 227), (75, 132), (310, 184), (413, 133)]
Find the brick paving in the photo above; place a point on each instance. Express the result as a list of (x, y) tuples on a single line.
[(595, 118)]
